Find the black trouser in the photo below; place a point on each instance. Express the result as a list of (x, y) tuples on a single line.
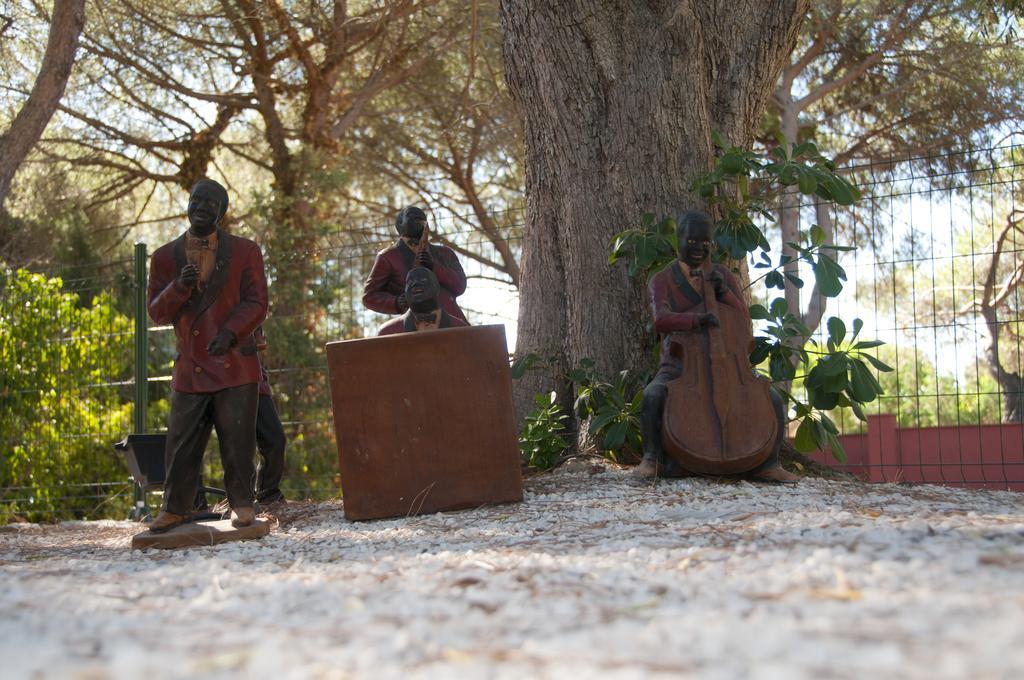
[(232, 412), (652, 413), (270, 442)]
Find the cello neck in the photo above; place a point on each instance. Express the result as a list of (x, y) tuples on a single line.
[(707, 291)]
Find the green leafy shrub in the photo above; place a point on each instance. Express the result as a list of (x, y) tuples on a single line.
[(612, 409), (541, 439), (65, 374)]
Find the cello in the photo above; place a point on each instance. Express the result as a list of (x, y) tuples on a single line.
[(718, 416)]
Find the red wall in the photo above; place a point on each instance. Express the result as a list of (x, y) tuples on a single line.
[(979, 456)]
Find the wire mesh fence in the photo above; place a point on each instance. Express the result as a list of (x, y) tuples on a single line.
[(936, 274), (66, 348)]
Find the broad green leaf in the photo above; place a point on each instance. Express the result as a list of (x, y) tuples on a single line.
[(836, 330), (878, 363), (788, 176), (817, 235), (804, 439), (842, 191), (522, 364), (820, 435), (760, 351), (829, 275), (732, 163), (832, 365), (861, 384), (779, 307), (838, 452), (779, 367), (616, 436), (759, 312), (858, 411), (824, 401), (601, 420)]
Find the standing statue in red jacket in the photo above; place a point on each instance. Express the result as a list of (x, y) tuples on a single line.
[(213, 288), (384, 290)]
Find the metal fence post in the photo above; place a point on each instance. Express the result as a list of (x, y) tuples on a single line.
[(141, 367)]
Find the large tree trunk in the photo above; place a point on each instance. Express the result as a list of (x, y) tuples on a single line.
[(65, 27), (619, 99)]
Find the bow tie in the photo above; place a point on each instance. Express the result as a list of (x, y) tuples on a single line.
[(424, 318)]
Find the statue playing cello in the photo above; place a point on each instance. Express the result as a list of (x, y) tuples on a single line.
[(706, 411)]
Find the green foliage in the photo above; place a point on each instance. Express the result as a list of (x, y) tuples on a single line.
[(647, 248), (541, 439), (839, 378), (62, 399), (613, 409), (745, 185)]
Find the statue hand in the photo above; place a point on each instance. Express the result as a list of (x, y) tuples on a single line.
[(708, 321), (402, 303), (189, 276), (425, 259), (717, 282), (222, 343)]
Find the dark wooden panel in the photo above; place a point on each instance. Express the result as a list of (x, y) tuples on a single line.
[(424, 422)]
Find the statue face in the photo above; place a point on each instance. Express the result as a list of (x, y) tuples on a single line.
[(410, 222), (414, 228), (695, 244), (204, 210), (421, 286)]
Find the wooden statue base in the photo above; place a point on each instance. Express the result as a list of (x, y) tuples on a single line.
[(424, 422), (200, 533)]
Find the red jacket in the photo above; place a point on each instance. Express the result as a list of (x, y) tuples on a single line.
[(235, 298), (387, 278), (677, 305), (406, 324)]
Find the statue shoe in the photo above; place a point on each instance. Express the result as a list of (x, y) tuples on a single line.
[(165, 521), (242, 517), (776, 475), (647, 469)]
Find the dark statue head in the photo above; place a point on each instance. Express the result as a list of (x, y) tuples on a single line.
[(421, 289), (410, 222), (206, 206), (696, 234)]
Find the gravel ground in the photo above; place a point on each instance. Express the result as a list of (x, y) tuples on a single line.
[(594, 575)]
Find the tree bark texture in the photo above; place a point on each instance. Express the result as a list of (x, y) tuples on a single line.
[(65, 27), (619, 99)]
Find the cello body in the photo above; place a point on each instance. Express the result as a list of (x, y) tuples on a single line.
[(719, 417)]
